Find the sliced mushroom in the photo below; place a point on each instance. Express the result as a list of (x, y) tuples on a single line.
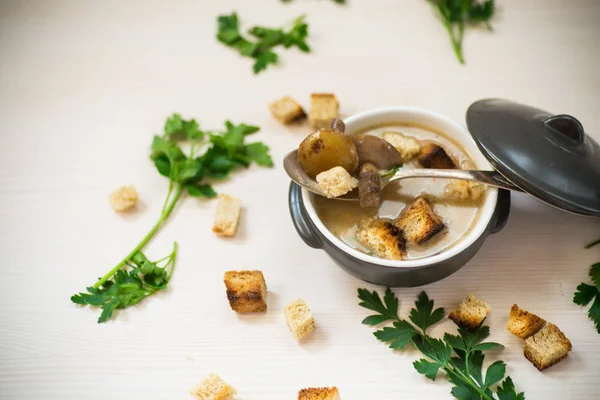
[(369, 186), (375, 150)]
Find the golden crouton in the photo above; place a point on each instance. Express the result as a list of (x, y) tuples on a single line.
[(124, 198), (227, 216), (470, 313), (434, 156), (523, 323), (547, 347), (319, 394), (246, 291), (382, 237), (299, 319), (406, 145), (323, 108), (286, 110), (336, 182), (419, 222), (213, 388), (464, 190)]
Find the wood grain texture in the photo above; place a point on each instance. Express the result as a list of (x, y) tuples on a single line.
[(84, 84)]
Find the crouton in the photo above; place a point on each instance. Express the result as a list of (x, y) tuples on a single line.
[(419, 222), (547, 347), (523, 323), (336, 182), (323, 108), (227, 216), (464, 190), (124, 198), (286, 110), (213, 388), (470, 313), (382, 237), (407, 146), (299, 319), (246, 291), (434, 156), (319, 394)]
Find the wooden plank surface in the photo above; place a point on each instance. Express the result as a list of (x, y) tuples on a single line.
[(85, 84)]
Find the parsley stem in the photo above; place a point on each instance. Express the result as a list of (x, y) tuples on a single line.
[(163, 216), (592, 244), (467, 378)]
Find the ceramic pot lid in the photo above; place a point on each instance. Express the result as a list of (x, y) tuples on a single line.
[(546, 155)]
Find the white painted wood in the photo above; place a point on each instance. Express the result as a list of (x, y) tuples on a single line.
[(84, 84)]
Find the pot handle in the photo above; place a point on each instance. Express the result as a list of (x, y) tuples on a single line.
[(301, 219), (502, 211)]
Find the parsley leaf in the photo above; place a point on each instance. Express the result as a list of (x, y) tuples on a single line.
[(262, 40), (136, 277), (464, 370), (586, 293), (456, 14)]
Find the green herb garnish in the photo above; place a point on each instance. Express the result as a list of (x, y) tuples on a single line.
[(262, 41), (459, 356), (586, 293), (136, 277), (456, 14)]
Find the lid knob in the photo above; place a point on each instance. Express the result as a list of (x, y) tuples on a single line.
[(566, 125)]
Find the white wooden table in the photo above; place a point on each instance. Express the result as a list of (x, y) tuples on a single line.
[(85, 84)]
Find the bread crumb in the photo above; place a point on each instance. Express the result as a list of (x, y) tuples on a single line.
[(319, 394), (227, 216), (434, 156), (470, 313), (124, 198), (419, 222), (286, 110), (547, 347), (523, 323), (213, 388), (336, 182), (408, 146), (382, 237), (246, 291), (299, 319), (324, 107)]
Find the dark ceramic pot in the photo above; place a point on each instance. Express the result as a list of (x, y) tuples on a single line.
[(493, 216)]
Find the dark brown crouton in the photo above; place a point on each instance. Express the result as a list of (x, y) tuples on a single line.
[(383, 238), (246, 291), (419, 222), (434, 156)]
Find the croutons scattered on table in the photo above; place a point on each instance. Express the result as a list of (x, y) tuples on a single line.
[(323, 108), (319, 394), (522, 323), (434, 156), (419, 222), (470, 313), (213, 388), (227, 216), (407, 146), (246, 291), (547, 347), (299, 319), (336, 182), (382, 237), (124, 198), (286, 110)]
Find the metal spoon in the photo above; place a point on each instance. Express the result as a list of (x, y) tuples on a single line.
[(491, 178)]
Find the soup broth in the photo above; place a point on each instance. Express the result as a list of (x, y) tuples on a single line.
[(342, 217)]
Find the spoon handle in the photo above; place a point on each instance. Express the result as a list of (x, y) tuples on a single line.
[(491, 178)]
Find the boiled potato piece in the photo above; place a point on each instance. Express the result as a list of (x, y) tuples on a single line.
[(325, 149)]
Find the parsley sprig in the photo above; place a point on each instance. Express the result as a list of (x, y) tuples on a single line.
[(457, 14), (586, 293), (262, 40), (459, 356), (135, 277)]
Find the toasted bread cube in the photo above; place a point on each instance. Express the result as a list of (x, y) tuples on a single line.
[(124, 198), (470, 313), (336, 182), (408, 146), (419, 222), (434, 156), (547, 347), (464, 190), (286, 110), (246, 291), (319, 394), (227, 216), (523, 323), (213, 388), (382, 237), (299, 319), (323, 108)]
